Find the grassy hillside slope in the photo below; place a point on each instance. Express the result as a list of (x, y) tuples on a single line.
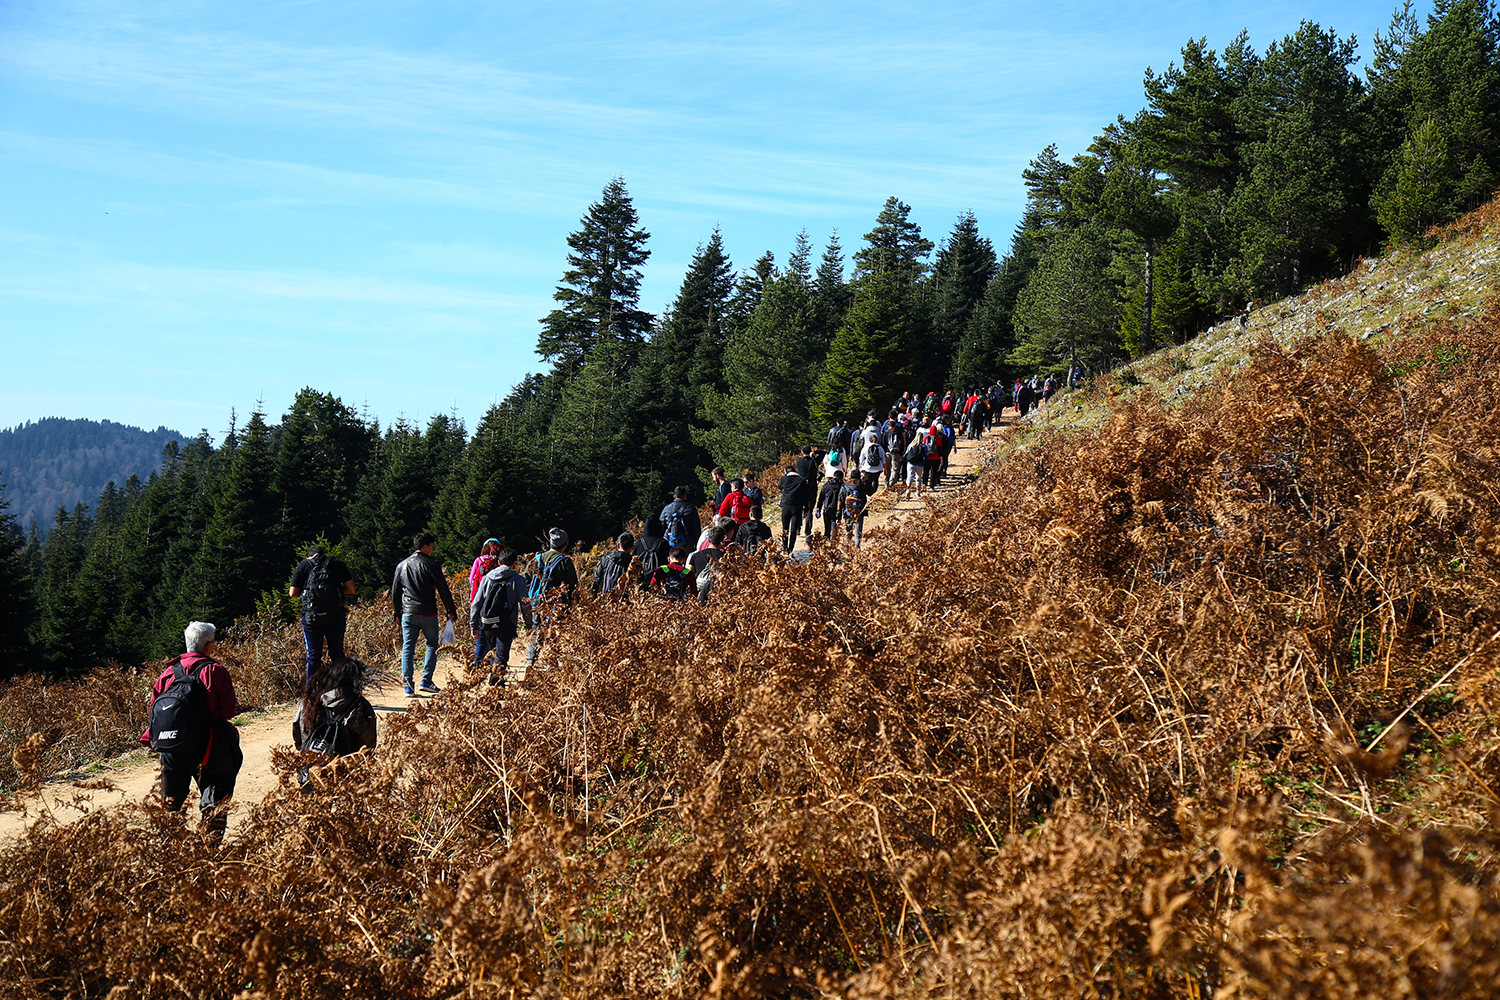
[(1201, 700)]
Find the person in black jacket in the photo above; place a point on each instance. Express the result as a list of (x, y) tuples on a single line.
[(754, 536), (830, 503), (807, 467), (650, 548), (552, 589), (609, 575), (415, 590), (794, 493), (321, 581), (334, 702), (679, 520)]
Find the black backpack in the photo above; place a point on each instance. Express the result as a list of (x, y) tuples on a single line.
[(330, 738), (323, 591), (179, 715)]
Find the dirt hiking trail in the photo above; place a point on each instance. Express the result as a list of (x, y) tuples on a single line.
[(133, 777)]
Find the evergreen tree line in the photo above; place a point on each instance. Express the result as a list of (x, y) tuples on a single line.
[(1246, 176)]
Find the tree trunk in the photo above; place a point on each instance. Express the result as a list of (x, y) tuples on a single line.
[(1150, 299)]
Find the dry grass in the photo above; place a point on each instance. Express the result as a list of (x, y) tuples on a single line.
[(1104, 727)]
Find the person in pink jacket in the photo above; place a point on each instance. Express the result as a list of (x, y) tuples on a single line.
[(483, 563)]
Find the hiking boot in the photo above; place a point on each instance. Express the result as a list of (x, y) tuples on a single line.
[(429, 688), (409, 692)]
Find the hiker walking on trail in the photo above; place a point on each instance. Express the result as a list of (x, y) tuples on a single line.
[(830, 503), (700, 564), (871, 465), (933, 441), (321, 581), (672, 579), (191, 705), (753, 538), (335, 717), (679, 520), (551, 591), (895, 439), (855, 504), (838, 436), (721, 486), (950, 438), (752, 489), (915, 457), (650, 549), (794, 490), (835, 461), (499, 601), (415, 589), (1025, 396), (483, 563), (807, 468), (610, 574), (736, 503)]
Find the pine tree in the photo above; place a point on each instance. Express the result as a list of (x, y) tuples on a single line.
[(1067, 313), (663, 402), (60, 647), (964, 268), (601, 287), (1134, 198), (241, 555), (1301, 207), (490, 496), (895, 249), (870, 361), (831, 296), (748, 289), (1419, 195), (321, 446), (989, 338), (771, 364), (395, 501), (1436, 101), (142, 546), (16, 595)]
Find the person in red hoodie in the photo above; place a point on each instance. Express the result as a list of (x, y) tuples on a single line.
[(220, 764), (736, 504)]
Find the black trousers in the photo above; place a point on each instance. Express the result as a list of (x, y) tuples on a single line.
[(791, 524), (215, 779)]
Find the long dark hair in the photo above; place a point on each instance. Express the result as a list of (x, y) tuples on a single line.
[(348, 674)]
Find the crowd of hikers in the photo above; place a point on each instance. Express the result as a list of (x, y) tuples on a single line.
[(827, 486)]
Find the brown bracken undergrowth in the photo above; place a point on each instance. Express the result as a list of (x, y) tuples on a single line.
[(1105, 725)]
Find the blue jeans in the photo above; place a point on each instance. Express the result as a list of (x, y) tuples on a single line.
[(315, 633), (410, 626)]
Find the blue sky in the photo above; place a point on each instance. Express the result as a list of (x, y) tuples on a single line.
[(209, 205)]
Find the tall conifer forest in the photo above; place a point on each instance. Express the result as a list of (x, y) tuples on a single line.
[(1247, 175)]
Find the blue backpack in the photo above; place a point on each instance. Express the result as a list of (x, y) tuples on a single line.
[(675, 526), (542, 582)]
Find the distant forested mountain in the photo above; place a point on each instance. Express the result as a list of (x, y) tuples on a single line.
[(55, 462)]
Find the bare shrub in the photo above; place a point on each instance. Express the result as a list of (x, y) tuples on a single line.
[(1104, 725)]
